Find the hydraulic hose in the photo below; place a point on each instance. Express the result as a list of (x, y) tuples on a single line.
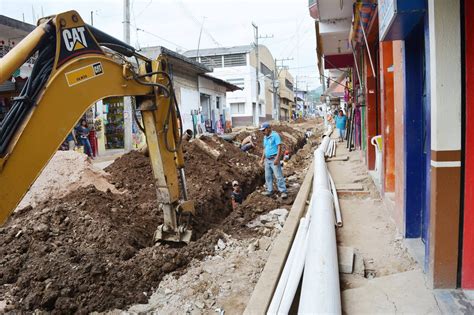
[(30, 92)]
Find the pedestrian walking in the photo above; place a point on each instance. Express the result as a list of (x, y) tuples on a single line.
[(271, 156), (341, 121), (71, 140), (83, 132)]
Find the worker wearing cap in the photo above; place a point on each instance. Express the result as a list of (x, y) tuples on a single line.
[(236, 195), (272, 154)]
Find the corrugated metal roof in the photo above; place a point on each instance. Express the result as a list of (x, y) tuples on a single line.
[(219, 51), (19, 25), (155, 51)]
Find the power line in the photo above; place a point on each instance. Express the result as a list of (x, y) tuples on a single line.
[(198, 23), (161, 38)]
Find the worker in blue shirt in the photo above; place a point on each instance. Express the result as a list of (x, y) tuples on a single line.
[(341, 121), (272, 153)]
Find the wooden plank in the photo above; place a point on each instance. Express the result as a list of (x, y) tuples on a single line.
[(267, 283), (350, 187), (338, 158)]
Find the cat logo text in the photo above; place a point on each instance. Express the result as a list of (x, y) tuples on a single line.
[(75, 38)]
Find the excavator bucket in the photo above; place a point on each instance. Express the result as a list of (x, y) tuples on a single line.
[(176, 227), (181, 235)]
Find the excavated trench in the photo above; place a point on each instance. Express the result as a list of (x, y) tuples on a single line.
[(94, 250)]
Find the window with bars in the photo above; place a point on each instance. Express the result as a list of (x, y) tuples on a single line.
[(288, 84), (237, 108), (235, 60), (240, 82)]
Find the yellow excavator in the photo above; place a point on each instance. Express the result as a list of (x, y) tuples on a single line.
[(76, 66)]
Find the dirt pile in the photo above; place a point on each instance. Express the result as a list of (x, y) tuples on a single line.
[(65, 172), (291, 138), (93, 251), (222, 282)]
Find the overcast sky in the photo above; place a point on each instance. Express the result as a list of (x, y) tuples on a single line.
[(176, 24)]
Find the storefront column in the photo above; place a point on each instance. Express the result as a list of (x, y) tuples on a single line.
[(467, 276), (399, 103), (445, 87), (387, 105)]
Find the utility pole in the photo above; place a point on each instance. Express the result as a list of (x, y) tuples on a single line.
[(126, 21), (255, 111), (127, 101), (92, 18), (257, 97)]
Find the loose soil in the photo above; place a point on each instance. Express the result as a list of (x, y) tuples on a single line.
[(93, 250), (58, 178)]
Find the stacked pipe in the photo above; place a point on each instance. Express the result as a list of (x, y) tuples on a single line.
[(314, 250), (331, 150)]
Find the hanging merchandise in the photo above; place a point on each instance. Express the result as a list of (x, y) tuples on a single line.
[(114, 124)]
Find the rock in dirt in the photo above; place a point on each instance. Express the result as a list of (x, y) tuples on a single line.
[(220, 244)]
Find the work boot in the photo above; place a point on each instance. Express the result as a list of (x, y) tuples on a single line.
[(267, 193), (284, 195)]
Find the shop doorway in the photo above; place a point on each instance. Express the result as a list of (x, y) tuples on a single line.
[(113, 123), (206, 111), (417, 135)]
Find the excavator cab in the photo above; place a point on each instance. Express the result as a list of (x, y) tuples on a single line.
[(76, 66)]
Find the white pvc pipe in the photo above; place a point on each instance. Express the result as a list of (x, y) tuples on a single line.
[(320, 293), (295, 273), (324, 144), (283, 281), (328, 131), (337, 207), (320, 179)]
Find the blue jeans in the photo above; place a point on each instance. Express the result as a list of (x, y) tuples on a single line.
[(342, 133), (271, 169), (87, 146)]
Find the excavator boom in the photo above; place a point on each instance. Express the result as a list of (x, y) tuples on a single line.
[(78, 65)]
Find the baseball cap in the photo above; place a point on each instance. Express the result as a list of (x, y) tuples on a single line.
[(235, 183), (264, 126)]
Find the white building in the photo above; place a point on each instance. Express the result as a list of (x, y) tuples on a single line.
[(199, 95), (237, 65)]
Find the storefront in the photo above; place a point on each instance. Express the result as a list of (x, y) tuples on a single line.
[(113, 122), (400, 20)]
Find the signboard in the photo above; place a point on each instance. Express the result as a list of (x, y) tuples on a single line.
[(387, 11), (397, 18)]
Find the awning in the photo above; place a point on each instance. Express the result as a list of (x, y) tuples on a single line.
[(337, 87), (362, 15)]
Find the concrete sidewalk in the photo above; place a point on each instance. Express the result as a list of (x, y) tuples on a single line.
[(386, 279)]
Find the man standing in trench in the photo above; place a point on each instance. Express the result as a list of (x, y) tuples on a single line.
[(272, 153)]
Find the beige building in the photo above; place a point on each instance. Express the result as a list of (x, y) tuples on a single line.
[(237, 65), (286, 94)]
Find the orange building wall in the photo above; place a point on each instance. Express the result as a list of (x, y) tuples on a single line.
[(387, 102)]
